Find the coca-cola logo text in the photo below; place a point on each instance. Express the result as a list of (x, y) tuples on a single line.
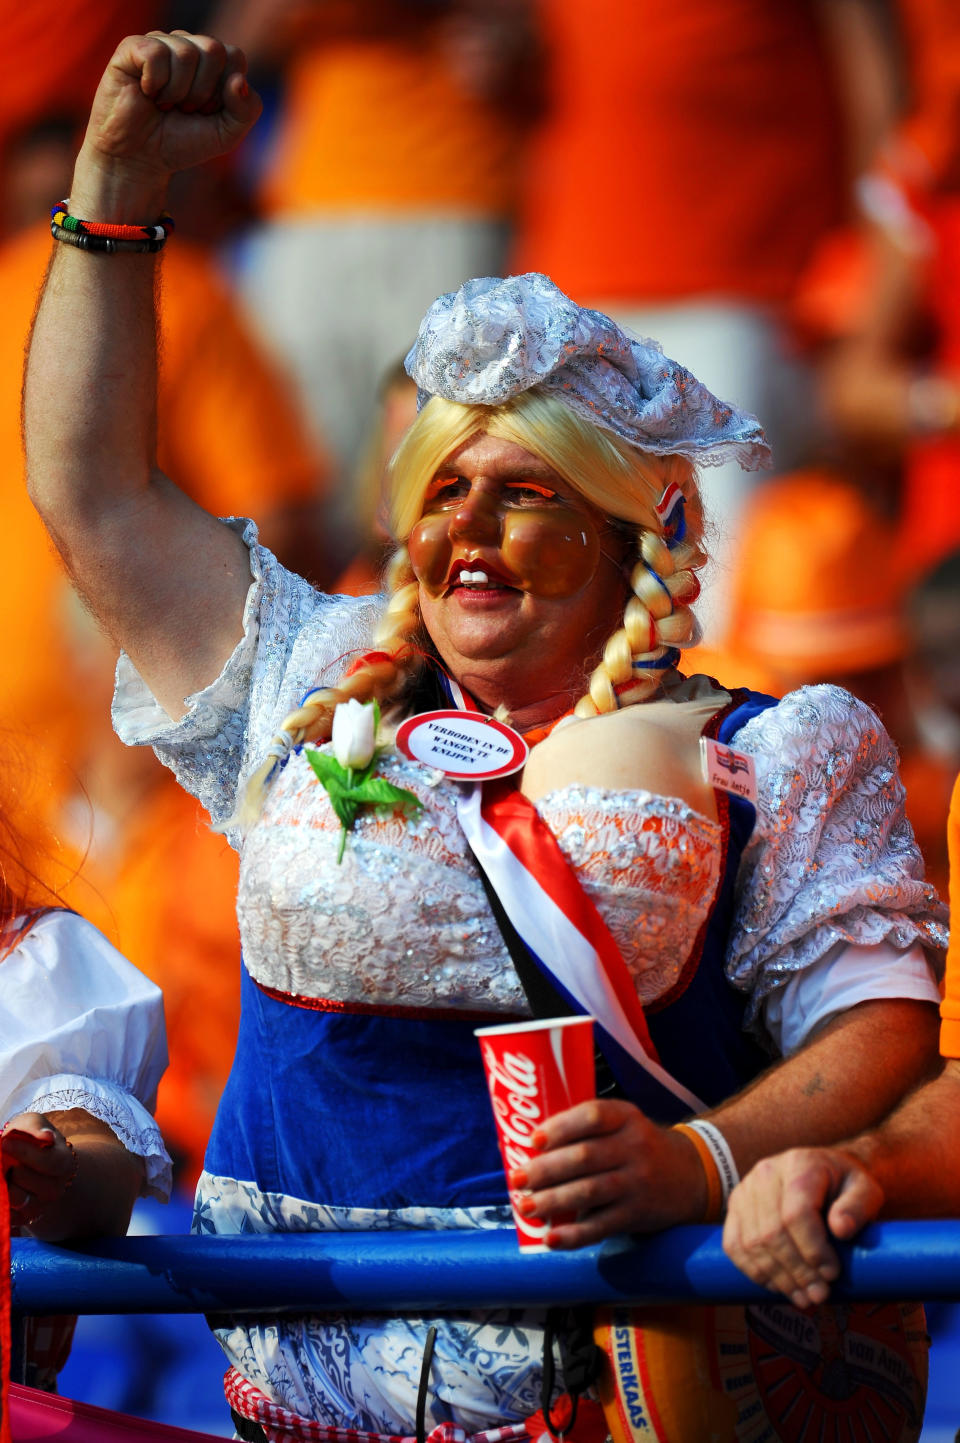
[(515, 1095), (514, 1092)]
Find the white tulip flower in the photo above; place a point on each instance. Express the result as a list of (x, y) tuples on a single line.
[(348, 775), (354, 734)]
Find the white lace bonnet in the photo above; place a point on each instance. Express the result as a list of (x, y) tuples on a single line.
[(494, 338)]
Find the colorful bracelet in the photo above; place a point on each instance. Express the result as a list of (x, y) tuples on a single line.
[(60, 215), (107, 239)]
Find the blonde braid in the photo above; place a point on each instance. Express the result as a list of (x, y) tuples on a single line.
[(657, 618), (401, 619), (378, 675)]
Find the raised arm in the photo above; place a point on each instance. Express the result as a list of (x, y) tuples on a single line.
[(165, 579)]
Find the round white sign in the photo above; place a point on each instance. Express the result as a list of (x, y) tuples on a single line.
[(464, 745)]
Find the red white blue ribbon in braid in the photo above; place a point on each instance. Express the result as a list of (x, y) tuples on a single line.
[(672, 516), (569, 940)]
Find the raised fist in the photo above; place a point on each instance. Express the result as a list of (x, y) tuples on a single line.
[(167, 102)]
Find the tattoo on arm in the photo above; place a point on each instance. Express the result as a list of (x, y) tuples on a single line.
[(815, 1085)]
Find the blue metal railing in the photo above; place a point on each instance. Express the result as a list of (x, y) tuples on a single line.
[(420, 1271)]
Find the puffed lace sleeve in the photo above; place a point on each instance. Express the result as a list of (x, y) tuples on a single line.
[(832, 858), (294, 638), (81, 1027)]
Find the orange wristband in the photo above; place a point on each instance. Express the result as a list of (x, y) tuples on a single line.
[(714, 1209)]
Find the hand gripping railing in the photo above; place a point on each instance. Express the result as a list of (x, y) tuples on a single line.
[(423, 1271)]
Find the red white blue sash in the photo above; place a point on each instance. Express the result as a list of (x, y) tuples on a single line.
[(560, 925)]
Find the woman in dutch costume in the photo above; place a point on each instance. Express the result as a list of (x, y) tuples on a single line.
[(756, 950)]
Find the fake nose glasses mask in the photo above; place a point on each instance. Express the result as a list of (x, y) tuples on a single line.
[(529, 537)]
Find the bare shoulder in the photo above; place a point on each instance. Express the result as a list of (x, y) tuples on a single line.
[(653, 747)]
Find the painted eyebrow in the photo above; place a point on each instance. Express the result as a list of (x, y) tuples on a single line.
[(517, 482), (526, 483), (442, 478)]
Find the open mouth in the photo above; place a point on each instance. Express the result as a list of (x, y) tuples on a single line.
[(477, 576)]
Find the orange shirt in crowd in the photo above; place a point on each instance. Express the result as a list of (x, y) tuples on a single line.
[(382, 125), (687, 150)]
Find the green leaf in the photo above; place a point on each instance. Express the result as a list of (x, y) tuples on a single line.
[(360, 777), (346, 810), (343, 803), (328, 770), (333, 777), (348, 792), (378, 792)]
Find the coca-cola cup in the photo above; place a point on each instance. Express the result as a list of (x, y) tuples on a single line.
[(534, 1070)]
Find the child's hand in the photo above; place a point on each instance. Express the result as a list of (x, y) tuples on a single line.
[(39, 1164)]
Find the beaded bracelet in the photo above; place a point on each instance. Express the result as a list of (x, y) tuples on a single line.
[(106, 239), (60, 215)]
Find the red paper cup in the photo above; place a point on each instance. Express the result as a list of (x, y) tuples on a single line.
[(535, 1069)]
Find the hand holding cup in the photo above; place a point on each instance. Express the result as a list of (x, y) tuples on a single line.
[(534, 1071)]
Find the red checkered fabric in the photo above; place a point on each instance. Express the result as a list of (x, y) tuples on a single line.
[(281, 1425)]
